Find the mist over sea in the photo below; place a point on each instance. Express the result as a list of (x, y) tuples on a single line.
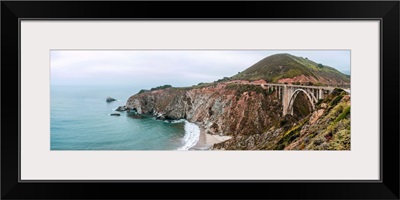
[(80, 120)]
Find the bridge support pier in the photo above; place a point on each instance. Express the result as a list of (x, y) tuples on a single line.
[(285, 99), (320, 94)]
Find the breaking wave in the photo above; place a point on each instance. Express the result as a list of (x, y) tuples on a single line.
[(192, 135)]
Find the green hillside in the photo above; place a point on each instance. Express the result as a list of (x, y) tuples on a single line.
[(282, 66)]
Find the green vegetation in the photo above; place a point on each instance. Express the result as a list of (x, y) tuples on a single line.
[(273, 68), (223, 79), (341, 140), (330, 132), (333, 98), (279, 66), (160, 87), (344, 114), (336, 100), (290, 135), (156, 88), (336, 132), (143, 91), (201, 85), (242, 88)]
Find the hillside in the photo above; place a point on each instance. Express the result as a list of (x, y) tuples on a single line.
[(326, 128), (251, 115), (286, 68)]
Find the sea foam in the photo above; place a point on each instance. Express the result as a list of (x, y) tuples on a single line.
[(177, 121), (192, 136)]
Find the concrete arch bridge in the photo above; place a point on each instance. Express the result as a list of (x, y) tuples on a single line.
[(288, 94)]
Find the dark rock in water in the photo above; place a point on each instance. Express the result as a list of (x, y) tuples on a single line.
[(110, 99), (121, 108), (115, 114)]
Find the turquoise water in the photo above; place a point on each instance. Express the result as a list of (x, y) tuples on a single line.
[(80, 120)]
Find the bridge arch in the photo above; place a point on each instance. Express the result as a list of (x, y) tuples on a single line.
[(311, 98)]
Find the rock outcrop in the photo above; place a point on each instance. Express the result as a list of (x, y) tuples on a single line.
[(252, 116), (239, 106), (223, 109), (326, 128), (110, 99), (121, 108)]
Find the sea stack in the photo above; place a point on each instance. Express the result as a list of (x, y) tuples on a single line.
[(110, 99)]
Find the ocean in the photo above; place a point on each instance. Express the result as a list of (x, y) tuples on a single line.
[(80, 120)]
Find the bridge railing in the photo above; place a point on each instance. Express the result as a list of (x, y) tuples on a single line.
[(300, 86)]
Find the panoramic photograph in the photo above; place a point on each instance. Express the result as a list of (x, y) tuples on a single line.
[(210, 100)]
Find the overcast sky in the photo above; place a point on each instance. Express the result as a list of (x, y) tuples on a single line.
[(146, 69)]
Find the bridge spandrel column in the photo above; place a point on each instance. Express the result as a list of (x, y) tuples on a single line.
[(279, 92), (315, 93), (320, 95), (285, 100)]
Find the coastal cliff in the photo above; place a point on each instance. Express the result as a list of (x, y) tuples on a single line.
[(223, 109), (326, 128), (251, 114)]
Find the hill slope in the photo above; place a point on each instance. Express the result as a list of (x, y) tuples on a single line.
[(280, 68), (252, 115), (326, 128)]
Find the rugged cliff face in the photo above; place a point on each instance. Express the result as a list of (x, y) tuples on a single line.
[(326, 128), (239, 107), (252, 116), (224, 108)]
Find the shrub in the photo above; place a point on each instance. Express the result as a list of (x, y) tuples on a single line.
[(223, 79), (344, 114), (241, 88), (142, 91), (336, 100), (160, 87)]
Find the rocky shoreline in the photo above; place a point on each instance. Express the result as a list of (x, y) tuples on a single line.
[(219, 109), (206, 140), (246, 117)]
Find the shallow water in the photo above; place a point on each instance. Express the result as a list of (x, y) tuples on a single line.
[(80, 120)]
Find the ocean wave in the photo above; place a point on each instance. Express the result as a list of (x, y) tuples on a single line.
[(192, 135), (177, 121)]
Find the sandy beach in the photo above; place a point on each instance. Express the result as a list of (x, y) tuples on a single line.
[(207, 140)]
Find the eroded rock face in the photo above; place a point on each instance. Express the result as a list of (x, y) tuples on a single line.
[(253, 117), (326, 128), (219, 109), (121, 108)]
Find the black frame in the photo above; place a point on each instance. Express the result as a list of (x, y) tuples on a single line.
[(386, 11)]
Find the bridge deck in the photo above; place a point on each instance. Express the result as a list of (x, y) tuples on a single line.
[(304, 86)]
